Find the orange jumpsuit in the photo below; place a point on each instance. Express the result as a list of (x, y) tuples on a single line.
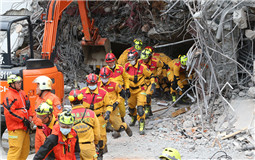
[(98, 101), (176, 75), (119, 75), (114, 90), (165, 59), (87, 127), (136, 75), (64, 147), (19, 141), (57, 108)]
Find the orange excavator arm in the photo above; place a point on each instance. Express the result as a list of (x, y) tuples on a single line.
[(54, 12)]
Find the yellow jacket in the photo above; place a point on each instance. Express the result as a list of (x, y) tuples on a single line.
[(101, 102), (113, 90), (86, 124), (136, 75), (161, 56), (119, 75)]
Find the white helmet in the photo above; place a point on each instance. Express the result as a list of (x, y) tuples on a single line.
[(44, 82)]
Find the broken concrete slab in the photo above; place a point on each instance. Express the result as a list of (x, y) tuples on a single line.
[(240, 19), (244, 111), (250, 34)]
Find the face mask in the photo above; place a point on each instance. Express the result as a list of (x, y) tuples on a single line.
[(65, 131), (92, 87), (133, 62), (104, 80)]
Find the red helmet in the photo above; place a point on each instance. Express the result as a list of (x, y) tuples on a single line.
[(75, 95), (105, 72), (92, 78), (150, 48), (132, 54), (110, 57)]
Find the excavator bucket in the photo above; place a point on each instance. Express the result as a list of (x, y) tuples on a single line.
[(94, 54)]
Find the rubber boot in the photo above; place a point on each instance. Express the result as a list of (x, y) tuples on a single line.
[(129, 131), (133, 120), (109, 127), (122, 118), (116, 134), (141, 127), (146, 110), (100, 154)]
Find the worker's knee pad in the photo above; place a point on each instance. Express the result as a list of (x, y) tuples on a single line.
[(131, 110), (122, 128), (140, 111)]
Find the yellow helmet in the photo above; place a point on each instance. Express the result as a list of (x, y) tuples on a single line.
[(13, 78), (66, 117), (183, 59), (146, 53), (170, 154), (138, 44), (45, 108)]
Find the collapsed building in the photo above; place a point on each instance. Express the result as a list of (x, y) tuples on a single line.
[(217, 36)]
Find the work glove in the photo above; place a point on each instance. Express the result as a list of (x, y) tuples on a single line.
[(8, 106), (115, 105), (27, 104), (165, 79), (148, 98), (26, 123), (107, 115), (128, 94), (153, 87)]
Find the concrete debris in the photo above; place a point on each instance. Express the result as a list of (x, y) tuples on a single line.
[(251, 92), (250, 34), (240, 19)]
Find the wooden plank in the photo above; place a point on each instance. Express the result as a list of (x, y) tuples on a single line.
[(180, 111), (233, 134)]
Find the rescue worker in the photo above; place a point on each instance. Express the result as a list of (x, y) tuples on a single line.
[(155, 66), (97, 99), (45, 113), (118, 75), (170, 154), (162, 79), (138, 45), (63, 141), (86, 125), (116, 95), (138, 91), (18, 117), (43, 90), (177, 76)]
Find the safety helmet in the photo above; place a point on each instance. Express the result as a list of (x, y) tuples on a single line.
[(75, 95), (110, 57), (170, 154), (132, 54), (183, 59), (138, 44), (105, 72), (92, 78), (146, 53), (45, 108), (13, 78), (45, 83), (66, 117), (150, 48)]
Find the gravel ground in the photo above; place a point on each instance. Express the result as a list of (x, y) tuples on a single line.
[(159, 136)]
